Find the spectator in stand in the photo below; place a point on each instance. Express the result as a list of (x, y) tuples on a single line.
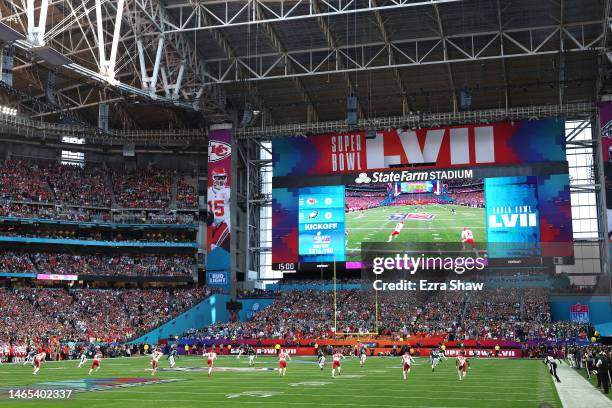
[(87, 314), (142, 188)]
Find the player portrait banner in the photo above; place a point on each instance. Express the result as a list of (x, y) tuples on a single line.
[(605, 125), (218, 203), (497, 144)]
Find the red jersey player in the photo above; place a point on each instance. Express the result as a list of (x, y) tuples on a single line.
[(95, 365), (283, 356), (396, 231), (211, 356), (336, 363), (407, 361), (462, 365), (38, 359), (467, 237), (155, 356), (218, 206)]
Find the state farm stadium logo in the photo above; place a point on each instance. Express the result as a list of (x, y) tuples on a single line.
[(363, 178), (218, 150)]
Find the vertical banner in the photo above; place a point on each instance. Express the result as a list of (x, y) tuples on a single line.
[(218, 205), (605, 125)]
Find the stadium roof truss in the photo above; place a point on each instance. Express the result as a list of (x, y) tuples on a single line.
[(297, 60)]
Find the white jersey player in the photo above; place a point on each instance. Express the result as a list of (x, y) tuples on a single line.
[(252, 356), (337, 363), (218, 205), (396, 231), (82, 358), (283, 356), (407, 361), (462, 365), (95, 365), (211, 356), (38, 359), (155, 356), (363, 353)]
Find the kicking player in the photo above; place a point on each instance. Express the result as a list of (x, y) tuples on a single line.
[(362, 355), (462, 364), (336, 363), (38, 359), (407, 361), (155, 356), (95, 364), (172, 356), (396, 231), (322, 358), (282, 362), (467, 237), (211, 356)]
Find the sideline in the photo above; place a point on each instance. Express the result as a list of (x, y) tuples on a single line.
[(576, 392)]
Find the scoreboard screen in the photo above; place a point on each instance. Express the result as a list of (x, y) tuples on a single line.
[(506, 183)]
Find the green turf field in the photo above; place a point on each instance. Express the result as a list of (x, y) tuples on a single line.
[(490, 383), (374, 225)]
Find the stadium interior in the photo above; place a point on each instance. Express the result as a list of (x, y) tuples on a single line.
[(195, 197)]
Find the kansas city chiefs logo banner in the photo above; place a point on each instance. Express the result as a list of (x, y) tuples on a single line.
[(218, 197)]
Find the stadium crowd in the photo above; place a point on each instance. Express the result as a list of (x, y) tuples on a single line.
[(25, 182), (508, 314), (69, 213), (105, 265), (88, 314)]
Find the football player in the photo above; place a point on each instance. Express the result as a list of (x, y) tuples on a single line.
[(218, 208)]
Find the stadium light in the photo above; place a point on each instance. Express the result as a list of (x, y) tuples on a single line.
[(5, 110)]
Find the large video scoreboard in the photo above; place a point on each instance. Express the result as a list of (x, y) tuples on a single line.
[(507, 183)]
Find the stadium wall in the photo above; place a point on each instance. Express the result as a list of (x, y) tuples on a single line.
[(209, 311), (600, 310)]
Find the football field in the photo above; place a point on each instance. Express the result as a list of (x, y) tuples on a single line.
[(491, 383), (429, 223)]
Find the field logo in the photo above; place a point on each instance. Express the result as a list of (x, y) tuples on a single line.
[(218, 150), (309, 384), (256, 394), (363, 178), (420, 216)]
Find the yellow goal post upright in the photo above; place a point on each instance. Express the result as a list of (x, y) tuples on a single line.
[(343, 333)]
